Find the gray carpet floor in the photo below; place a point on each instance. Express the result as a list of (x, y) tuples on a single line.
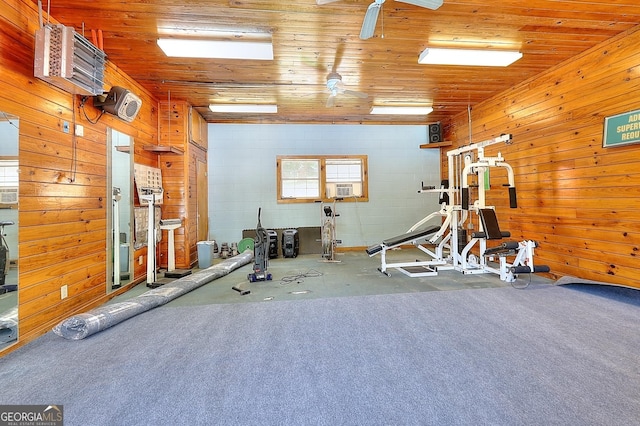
[(546, 355)]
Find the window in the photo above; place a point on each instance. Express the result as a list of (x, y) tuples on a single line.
[(306, 179)]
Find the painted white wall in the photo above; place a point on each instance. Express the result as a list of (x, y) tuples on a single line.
[(9, 137), (242, 178), (9, 148), (121, 176)]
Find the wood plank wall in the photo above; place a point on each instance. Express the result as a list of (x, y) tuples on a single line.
[(580, 201), (63, 180), (196, 154), (179, 173)]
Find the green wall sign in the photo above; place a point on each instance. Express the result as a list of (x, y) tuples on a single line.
[(622, 129)]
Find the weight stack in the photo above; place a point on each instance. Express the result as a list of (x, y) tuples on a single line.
[(290, 243)]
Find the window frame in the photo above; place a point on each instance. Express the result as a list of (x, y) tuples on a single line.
[(322, 159)]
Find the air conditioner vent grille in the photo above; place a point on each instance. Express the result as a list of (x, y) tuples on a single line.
[(9, 195), (344, 190)]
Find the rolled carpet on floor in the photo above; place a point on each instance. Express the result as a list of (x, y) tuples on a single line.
[(82, 325)]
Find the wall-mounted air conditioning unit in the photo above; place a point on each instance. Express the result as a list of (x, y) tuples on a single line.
[(9, 195), (69, 61), (344, 189)]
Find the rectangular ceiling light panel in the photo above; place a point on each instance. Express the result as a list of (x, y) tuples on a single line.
[(244, 108), (429, 4), (402, 110), (470, 57), (216, 49)]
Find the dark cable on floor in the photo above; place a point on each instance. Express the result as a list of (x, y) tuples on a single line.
[(520, 287), (298, 278)]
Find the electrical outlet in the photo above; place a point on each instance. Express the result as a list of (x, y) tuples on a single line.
[(140, 260), (65, 126), (79, 130), (64, 292)]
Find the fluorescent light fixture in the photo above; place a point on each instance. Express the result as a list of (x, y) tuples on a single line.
[(216, 49), (471, 57), (401, 110), (429, 4), (244, 108)]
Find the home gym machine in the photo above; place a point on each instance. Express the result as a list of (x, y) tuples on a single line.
[(451, 235), (328, 216), (260, 254)]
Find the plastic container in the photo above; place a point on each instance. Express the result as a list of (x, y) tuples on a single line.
[(205, 253)]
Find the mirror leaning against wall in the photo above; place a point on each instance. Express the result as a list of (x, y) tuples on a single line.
[(9, 182), (119, 245)]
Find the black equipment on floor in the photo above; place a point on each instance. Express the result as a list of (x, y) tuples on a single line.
[(273, 244), (4, 264), (290, 243), (5, 260), (260, 255), (242, 291)]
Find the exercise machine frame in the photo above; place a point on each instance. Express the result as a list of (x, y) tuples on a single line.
[(462, 163), (328, 238)]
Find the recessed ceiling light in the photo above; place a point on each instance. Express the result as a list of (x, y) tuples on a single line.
[(401, 110), (216, 49), (429, 4), (470, 57), (246, 108)]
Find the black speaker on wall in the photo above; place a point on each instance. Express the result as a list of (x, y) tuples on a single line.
[(435, 132)]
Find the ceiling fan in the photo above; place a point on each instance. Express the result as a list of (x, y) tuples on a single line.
[(336, 87), (334, 81), (371, 17)]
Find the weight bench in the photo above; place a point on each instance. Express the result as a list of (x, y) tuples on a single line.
[(405, 238), (413, 269)]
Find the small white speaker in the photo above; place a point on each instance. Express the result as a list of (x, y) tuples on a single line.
[(119, 102)]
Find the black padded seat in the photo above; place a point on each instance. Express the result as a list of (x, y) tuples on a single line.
[(490, 224), (401, 239)]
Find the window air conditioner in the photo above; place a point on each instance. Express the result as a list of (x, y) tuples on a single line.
[(344, 189), (69, 61), (9, 195)]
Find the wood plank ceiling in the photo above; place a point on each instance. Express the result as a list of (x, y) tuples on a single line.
[(311, 40)]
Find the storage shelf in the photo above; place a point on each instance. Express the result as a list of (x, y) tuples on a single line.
[(436, 145), (163, 149)]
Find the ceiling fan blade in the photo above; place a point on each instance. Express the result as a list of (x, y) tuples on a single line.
[(331, 101), (429, 4), (370, 20), (360, 95), (321, 2), (338, 57)]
